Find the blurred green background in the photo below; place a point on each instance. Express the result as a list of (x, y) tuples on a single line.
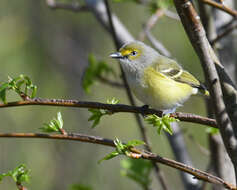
[(52, 48)]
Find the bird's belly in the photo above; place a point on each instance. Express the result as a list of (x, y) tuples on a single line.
[(160, 92)]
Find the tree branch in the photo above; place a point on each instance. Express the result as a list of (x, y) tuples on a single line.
[(142, 153), (221, 7), (188, 117), (196, 34), (224, 33)]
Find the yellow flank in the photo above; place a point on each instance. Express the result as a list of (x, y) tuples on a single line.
[(164, 92)]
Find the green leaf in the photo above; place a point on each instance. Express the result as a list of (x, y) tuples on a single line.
[(109, 156), (137, 170), (54, 125), (96, 116), (212, 130), (60, 120), (133, 143), (3, 96), (20, 174), (112, 101), (94, 70), (21, 84), (80, 187), (121, 148), (4, 86), (161, 123)]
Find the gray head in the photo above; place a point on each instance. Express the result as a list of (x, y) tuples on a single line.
[(135, 55)]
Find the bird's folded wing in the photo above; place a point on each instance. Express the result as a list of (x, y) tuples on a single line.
[(171, 69)]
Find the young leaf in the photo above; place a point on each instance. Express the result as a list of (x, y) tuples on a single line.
[(109, 156), (21, 85), (55, 125), (212, 130), (96, 116), (121, 148), (112, 101), (20, 174), (161, 123), (3, 96), (133, 143)]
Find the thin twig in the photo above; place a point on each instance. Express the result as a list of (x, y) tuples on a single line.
[(223, 34), (143, 154), (150, 23), (221, 7), (156, 44), (75, 7), (188, 117), (146, 32), (20, 186), (171, 14)]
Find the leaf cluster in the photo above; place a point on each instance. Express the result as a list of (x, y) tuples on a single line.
[(121, 148), (161, 123), (55, 125), (22, 85), (20, 174), (94, 70)]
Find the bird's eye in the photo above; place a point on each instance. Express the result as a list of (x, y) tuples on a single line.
[(134, 53)]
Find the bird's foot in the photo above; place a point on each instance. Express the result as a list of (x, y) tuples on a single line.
[(144, 109), (168, 111)]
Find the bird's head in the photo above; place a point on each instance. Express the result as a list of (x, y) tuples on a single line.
[(135, 55)]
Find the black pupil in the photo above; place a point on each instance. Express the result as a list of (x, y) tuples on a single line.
[(134, 53)]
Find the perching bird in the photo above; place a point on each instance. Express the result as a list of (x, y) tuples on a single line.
[(156, 80)]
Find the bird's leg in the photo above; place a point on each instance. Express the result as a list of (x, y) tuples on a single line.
[(169, 111), (144, 109)]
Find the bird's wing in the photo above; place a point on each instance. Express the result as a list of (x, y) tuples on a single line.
[(171, 69)]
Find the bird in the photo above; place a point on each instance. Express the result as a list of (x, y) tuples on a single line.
[(156, 80)]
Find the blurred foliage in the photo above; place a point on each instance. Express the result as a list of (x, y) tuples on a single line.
[(159, 4), (94, 70), (161, 123), (137, 170), (80, 187), (212, 130)]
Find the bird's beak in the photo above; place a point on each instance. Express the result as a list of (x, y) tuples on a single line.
[(116, 55)]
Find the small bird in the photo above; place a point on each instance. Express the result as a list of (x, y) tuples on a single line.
[(156, 80)]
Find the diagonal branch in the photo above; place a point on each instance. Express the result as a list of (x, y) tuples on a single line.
[(224, 33), (221, 7), (142, 154), (224, 116)]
